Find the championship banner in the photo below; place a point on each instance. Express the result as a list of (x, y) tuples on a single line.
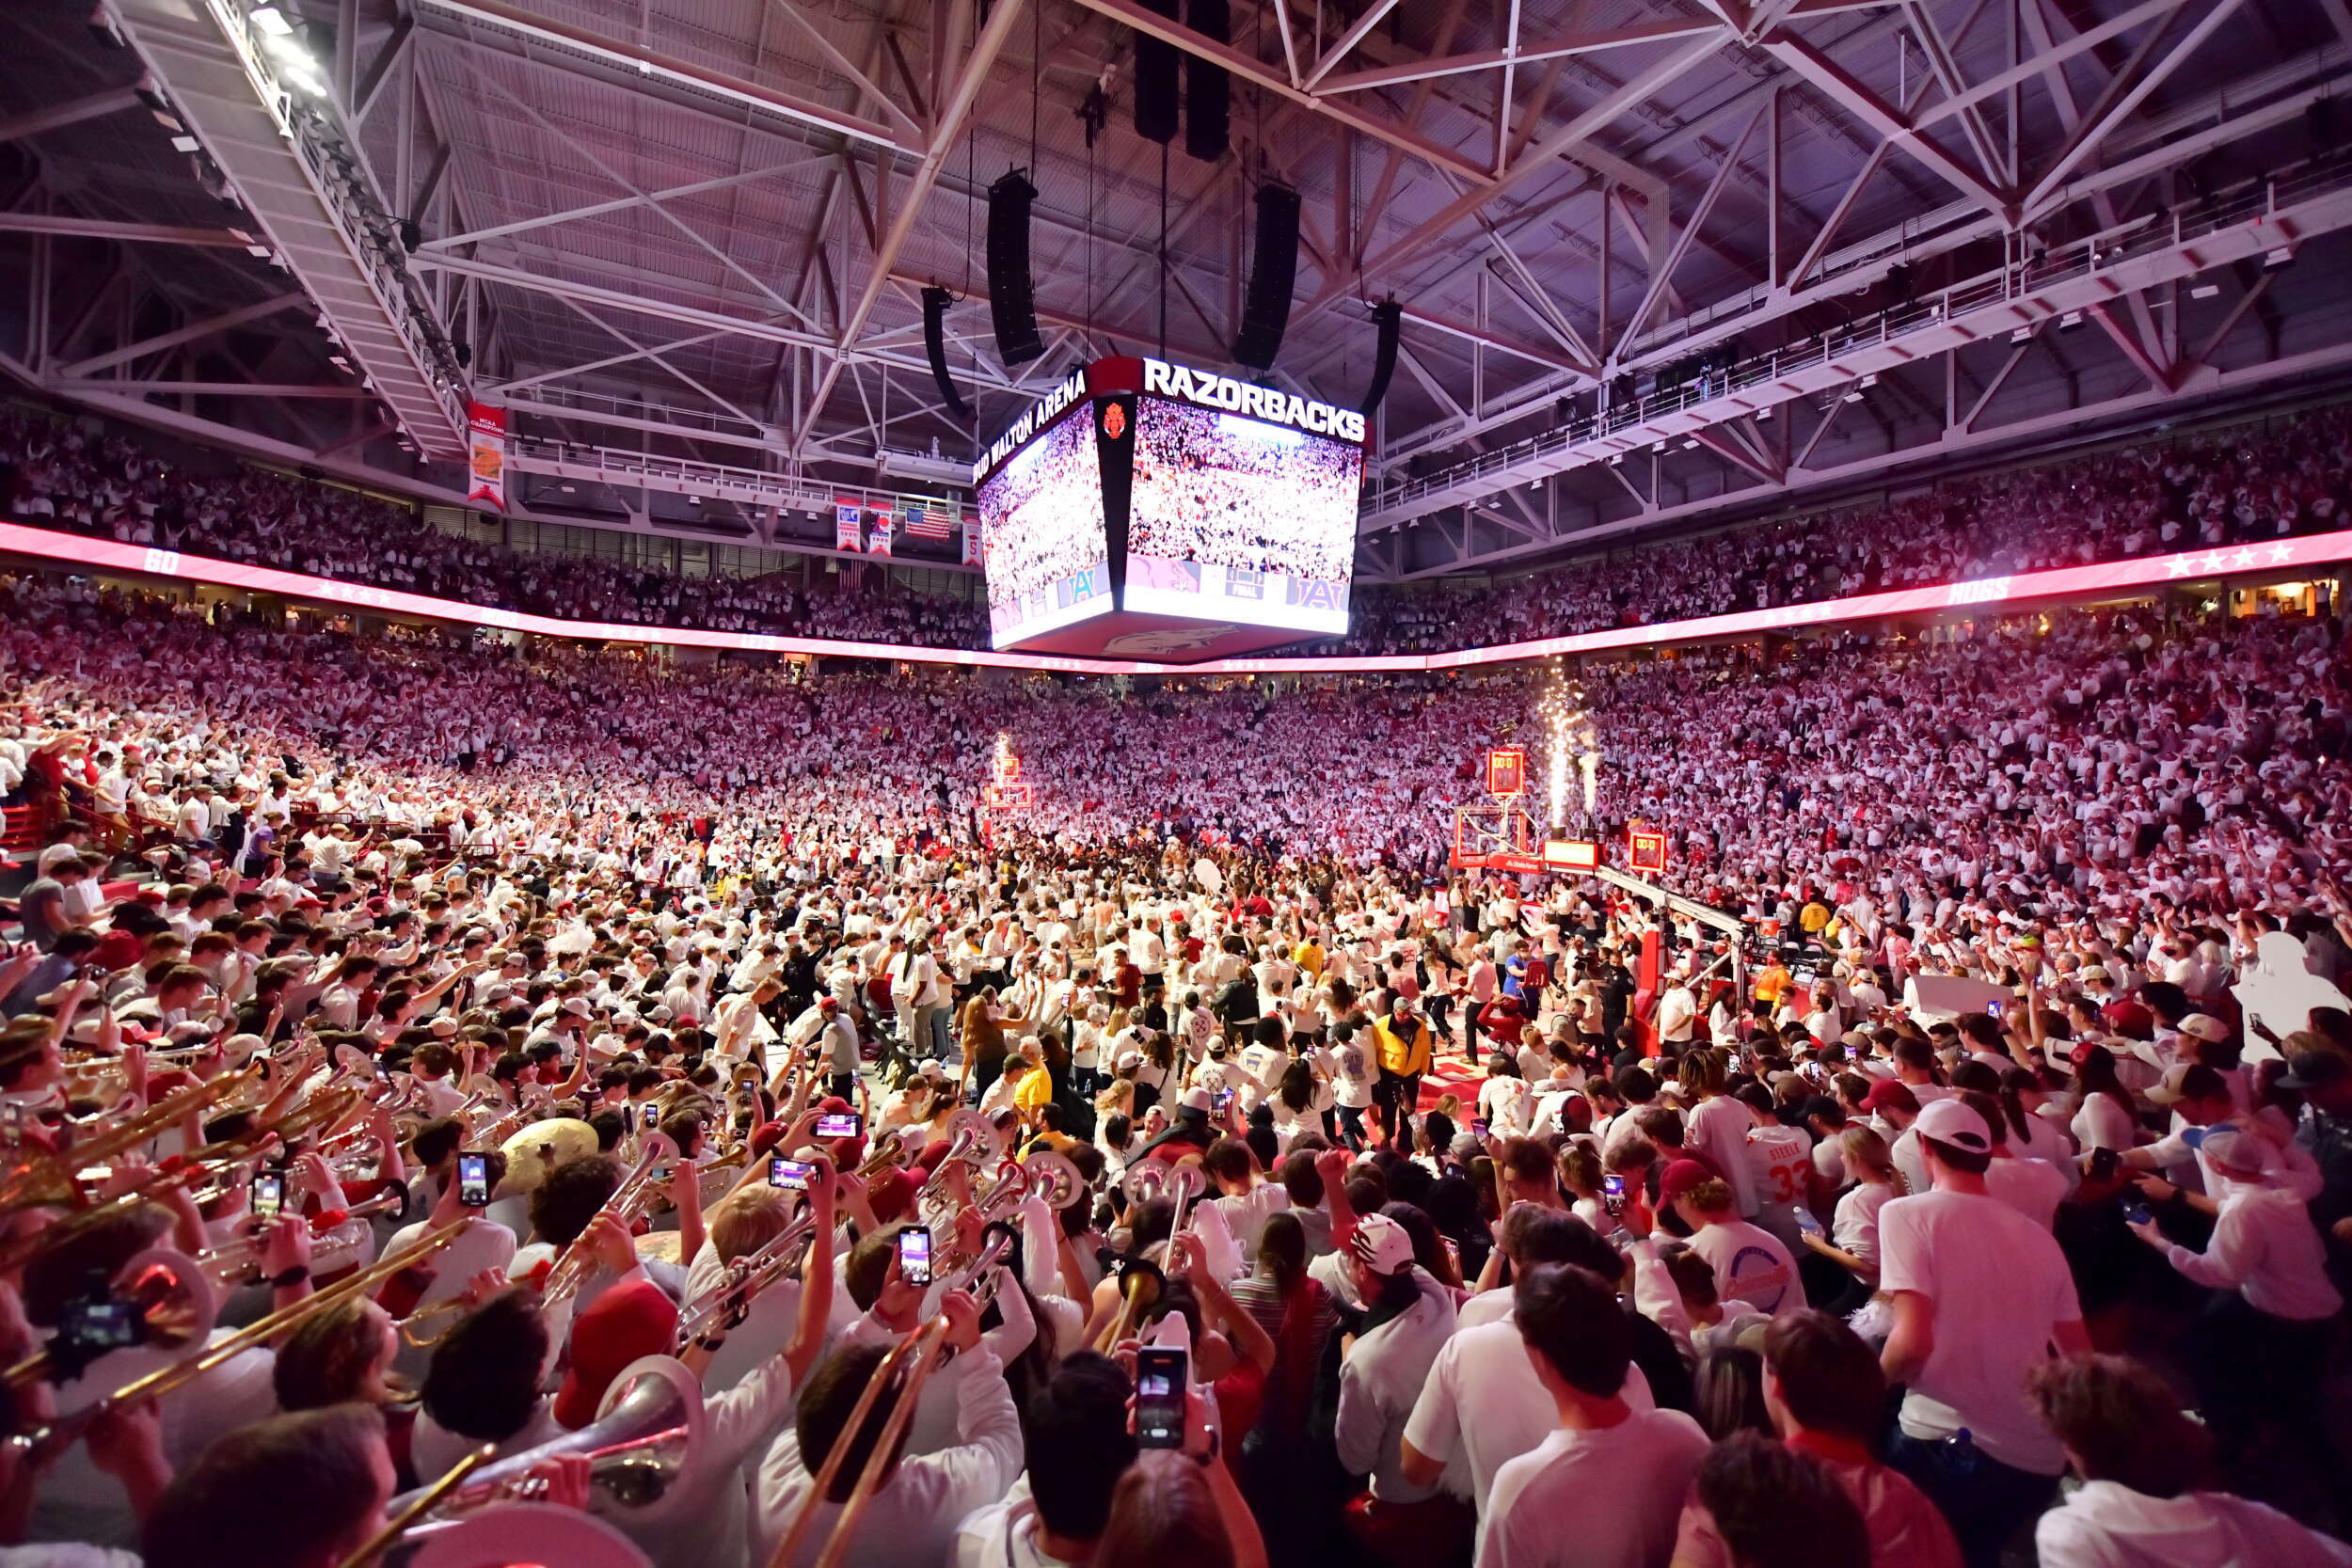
[(972, 541), (878, 536), (847, 535), (486, 462)]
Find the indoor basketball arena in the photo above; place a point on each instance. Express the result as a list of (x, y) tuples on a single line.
[(1118, 783)]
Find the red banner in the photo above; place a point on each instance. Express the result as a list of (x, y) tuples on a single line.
[(485, 459)]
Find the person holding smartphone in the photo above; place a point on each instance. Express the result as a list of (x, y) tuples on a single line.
[(922, 1496)]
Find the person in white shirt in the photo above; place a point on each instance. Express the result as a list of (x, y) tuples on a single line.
[(912, 1519), (1079, 1443), (2257, 1351), (2141, 1459), (1381, 1377), (1605, 1488), (1751, 1264), (1979, 1293)]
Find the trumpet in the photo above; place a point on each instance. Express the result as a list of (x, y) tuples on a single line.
[(337, 1238), (62, 1432), (631, 1201), (746, 1277), (975, 1142), (1053, 1178)]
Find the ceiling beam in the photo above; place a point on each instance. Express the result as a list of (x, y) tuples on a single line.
[(226, 320), (498, 15), (1843, 89), (73, 112), (1245, 68), (67, 225), (1487, 59)]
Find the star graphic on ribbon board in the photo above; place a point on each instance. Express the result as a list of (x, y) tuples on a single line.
[(2215, 562), (2245, 558), (2280, 553), (2177, 566), (2277, 988)]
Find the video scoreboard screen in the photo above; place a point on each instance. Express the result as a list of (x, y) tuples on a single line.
[(1198, 501)]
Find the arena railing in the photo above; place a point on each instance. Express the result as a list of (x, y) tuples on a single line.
[(2299, 554)]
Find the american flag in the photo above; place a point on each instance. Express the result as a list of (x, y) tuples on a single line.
[(927, 520)]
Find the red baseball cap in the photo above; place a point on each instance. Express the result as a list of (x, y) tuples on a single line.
[(626, 1323), (1894, 1092), (1677, 1178)]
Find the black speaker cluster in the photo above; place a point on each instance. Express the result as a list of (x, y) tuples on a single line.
[(1265, 311), (1205, 100), (1011, 302)]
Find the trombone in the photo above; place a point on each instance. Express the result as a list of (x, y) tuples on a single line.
[(910, 1365), (61, 1434), (49, 1177)]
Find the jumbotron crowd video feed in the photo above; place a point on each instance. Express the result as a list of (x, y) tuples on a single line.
[(1042, 535), (1240, 518), (1185, 514)]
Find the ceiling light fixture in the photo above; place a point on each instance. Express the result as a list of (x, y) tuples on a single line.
[(269, 19)]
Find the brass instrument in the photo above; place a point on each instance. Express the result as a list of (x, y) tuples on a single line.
[(975, 1142), (49, 1177), (646, 1435), (1053, 1178), (890, 1153), (1140, 1286), (746, 1277), (631, 1201), (533, 1151), (337, 1239), (918, 1356), (168, 1296), (62, 1432)]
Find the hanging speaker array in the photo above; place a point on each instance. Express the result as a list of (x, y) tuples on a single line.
[(1156, 65), (1387, 316), (936, 302), (1265, 311), (1011, 302), (1208, 91), (1168, 80)]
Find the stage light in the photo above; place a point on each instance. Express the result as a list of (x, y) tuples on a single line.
[(2205, 290), (2070, 321), (270, 21)]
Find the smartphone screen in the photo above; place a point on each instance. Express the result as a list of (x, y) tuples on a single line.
[(473, 1180), (268, 1198), (103, 1324), (1807, 1223), (1479, 1128), (652, 1115), (790, 1175), (2138, 1213), (1161, 1374), (1223, 1099), (1612, 1194), (914, 1256), (1994, 1007), (840, 1124)]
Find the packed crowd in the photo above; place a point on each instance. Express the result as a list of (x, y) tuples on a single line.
[(2231, 486), (1042, 522), (1363, 1212), (1228, 491), (56, 475)]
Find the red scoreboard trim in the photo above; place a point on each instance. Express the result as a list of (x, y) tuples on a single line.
[(2309, 551)]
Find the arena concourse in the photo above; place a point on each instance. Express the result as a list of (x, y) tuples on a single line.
[(1782, 997)]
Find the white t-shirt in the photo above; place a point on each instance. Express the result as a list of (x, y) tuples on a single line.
[(2000, 1286), (1594, 1500), (1751, 1264)]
